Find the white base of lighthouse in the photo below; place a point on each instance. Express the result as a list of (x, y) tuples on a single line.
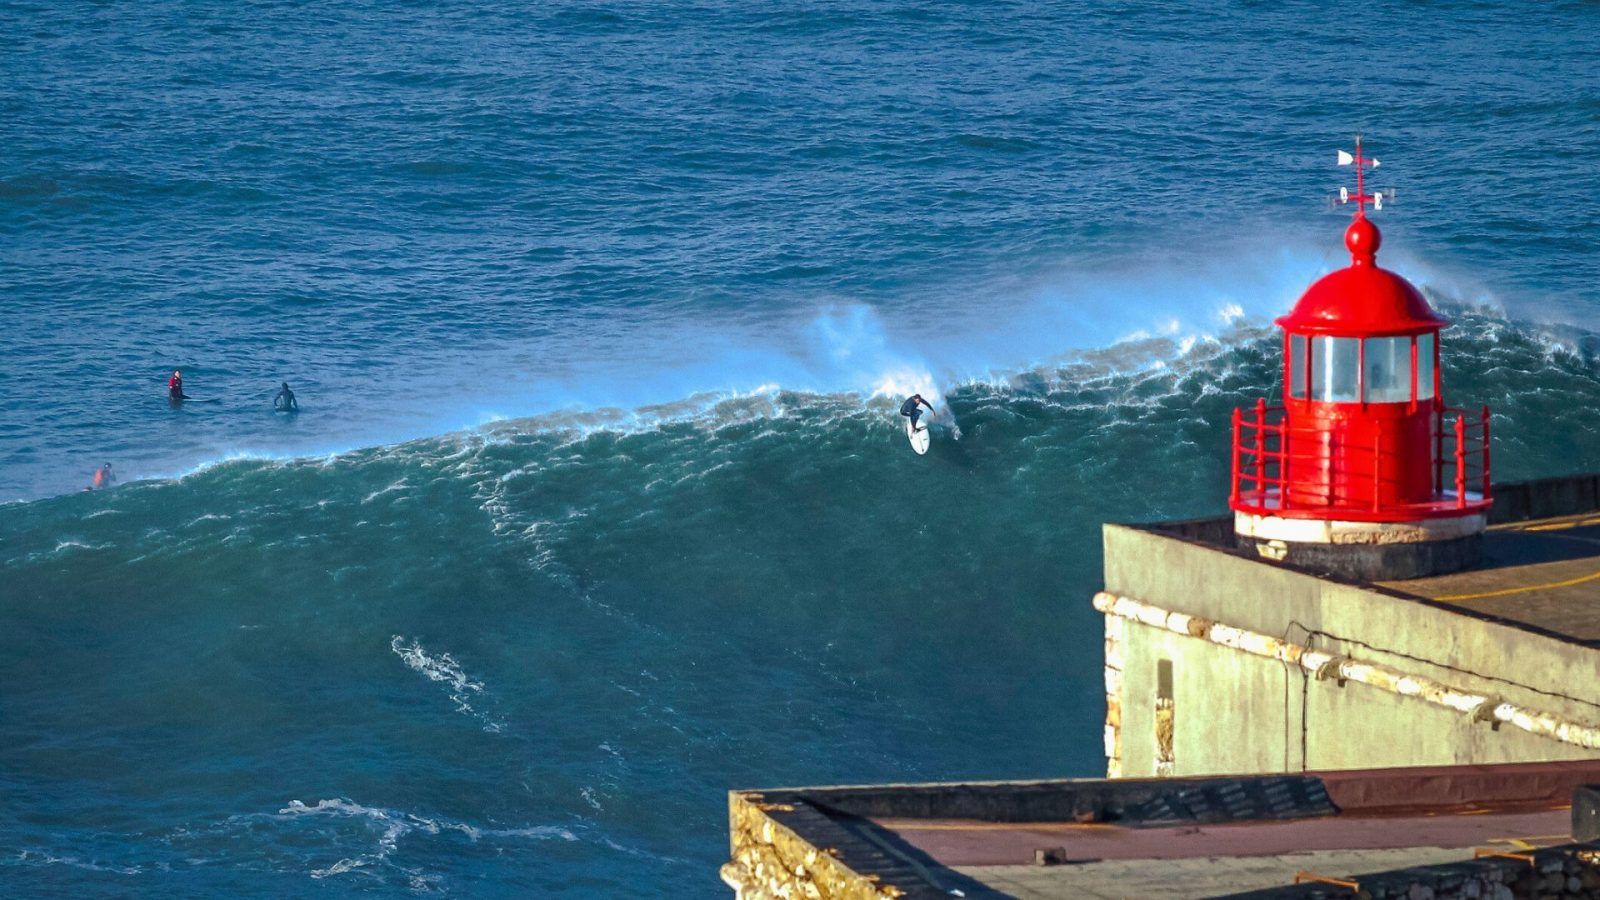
[(1365, 551), (1325, 531)]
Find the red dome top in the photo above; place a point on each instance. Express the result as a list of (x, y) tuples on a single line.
[(1362, 300)]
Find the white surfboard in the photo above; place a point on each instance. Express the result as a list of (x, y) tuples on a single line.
[(919, 438)]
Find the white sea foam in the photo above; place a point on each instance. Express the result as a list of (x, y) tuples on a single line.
[(46, 858), (398, 485), (539, 534), (69, 544), (393, 826), (345, 865), (444, 669), (397, 824)]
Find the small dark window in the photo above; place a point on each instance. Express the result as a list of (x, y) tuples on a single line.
[(1297, 365)]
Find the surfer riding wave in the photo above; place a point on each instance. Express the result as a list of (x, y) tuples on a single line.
[(912, 409)]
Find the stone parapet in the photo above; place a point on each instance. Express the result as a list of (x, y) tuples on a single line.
[(769, 861)]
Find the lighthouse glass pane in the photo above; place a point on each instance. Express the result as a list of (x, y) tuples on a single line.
[(1335, 362), (1297, 365), (1388, 374), (1424, 367)]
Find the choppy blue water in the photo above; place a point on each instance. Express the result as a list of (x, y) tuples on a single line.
[(598, 315)]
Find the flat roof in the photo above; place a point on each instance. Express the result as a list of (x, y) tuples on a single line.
[(1203, 860), (1540, 565), (1209, 877), (970, 843), (1544, 573), (1184, 837)]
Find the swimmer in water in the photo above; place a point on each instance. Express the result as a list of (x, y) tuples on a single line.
[(285, 401), (175, 392)]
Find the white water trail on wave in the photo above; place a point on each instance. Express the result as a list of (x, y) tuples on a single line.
[(396, 825), (443, 668)]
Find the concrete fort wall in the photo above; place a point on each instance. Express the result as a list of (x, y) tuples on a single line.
[(1180, 704)]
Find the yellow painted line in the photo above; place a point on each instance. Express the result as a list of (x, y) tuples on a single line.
[(1527, 843), (1548, 586), (1557, 526)]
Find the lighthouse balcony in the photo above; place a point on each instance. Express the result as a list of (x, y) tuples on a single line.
[(1288, 471)]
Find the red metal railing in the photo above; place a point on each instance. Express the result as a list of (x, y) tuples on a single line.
[(1463, 437), (1268, 452)]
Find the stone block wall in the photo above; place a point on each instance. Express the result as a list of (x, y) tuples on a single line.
[(771, 862)]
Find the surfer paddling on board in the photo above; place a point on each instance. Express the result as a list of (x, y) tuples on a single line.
[(175, 388), (912, 409), (285, 401)]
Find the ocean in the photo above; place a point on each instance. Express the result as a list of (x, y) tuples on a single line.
[(599, 315)]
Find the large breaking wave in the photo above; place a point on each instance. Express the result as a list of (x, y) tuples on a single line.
[(589, 624)]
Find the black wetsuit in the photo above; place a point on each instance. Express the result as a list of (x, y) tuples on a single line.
[(912, 409), (285, 402)]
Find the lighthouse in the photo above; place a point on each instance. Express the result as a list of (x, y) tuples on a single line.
[(1326, 646), (1363, 471)]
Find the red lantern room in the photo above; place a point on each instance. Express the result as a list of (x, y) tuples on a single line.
[(1363, 471)]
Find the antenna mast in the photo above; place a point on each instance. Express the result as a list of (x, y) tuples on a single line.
[(1361, 197)]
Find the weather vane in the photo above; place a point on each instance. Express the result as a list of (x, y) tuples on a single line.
[(1361, 197)]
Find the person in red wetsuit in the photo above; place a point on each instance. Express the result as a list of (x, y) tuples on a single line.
[(175, 387)]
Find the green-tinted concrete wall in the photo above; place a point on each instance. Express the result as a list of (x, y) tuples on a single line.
[(1234, 712)]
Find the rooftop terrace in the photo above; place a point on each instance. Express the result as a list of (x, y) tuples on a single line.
[(1540, 567), (1181, 837), (1543, 573)]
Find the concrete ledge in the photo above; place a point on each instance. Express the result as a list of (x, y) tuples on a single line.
[(1545, 498), (1454, 787)]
